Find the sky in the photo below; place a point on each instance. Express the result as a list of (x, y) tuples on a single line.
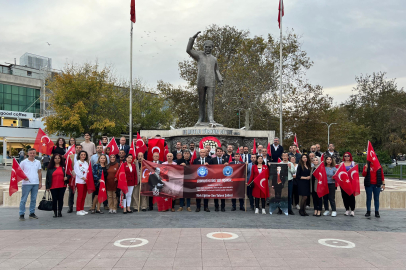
[(344, 38)]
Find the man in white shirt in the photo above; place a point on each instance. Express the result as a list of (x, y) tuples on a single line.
[(33, 182), (246, 157), (88, 146)]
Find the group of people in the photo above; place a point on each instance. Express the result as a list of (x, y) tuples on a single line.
[(301, 181)]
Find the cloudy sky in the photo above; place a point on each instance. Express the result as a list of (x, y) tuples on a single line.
[(344, 38)]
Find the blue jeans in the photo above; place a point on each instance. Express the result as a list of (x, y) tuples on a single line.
[(376, 191), (290, 192), (26, 189), (182, 202)]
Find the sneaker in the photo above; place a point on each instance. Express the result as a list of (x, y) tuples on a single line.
[(85, 212), (80, 213), (263, 211), (352, 213), (326, 213), (297, 207), (33, 216), (114, 211), (21, 218), (180, 209), (334, 214), (347, 213), (110, 211), (256, 211), (189, 209)]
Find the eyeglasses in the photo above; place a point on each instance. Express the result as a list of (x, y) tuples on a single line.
[(346, 156)]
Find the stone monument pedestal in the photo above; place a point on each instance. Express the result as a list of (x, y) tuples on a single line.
[(235, 137)]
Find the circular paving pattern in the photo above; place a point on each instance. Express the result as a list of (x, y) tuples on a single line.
[(222, 236), (118, 243), (336, 243)]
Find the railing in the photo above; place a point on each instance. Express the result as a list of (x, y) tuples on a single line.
[(389, 170)]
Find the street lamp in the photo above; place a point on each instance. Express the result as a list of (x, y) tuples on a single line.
[(328, 131)]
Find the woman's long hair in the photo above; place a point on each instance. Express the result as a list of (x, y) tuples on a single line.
[(333, 162), (302, 164), (57, 142), (51, 164)]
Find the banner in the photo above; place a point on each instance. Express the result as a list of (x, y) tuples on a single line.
[(278, 176), (193, 181)]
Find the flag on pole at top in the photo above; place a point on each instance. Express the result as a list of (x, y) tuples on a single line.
[(132, 11), (279, 13)]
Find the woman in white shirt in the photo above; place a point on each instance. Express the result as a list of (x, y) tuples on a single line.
[(81, 168)]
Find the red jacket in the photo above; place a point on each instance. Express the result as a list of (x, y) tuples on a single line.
[(256, 192), (131, 176)]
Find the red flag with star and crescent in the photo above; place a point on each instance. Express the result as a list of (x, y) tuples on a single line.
[(17, 174), (156, 145), (89, 180), (321, 176), (140, 145), (43, 143), (132, 151), (353, 173), (343, 180), (113, 147), (296, 143), (261, 181), (71, 151), (68, 171), (193, 157), (122, 179), (371, 157), (162, 203), (102, 190), (279, 12)]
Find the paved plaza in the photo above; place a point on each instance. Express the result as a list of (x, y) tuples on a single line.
[(215, 240)]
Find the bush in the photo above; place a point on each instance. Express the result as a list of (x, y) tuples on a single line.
[(383, 157)]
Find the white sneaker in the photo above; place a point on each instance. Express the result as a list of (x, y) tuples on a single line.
[(110, 211), (85, 212), (80, 213), (263, 211), (326, 213), (297, 207), (307, 207), (256, 211), (114, 211), (347, 213), (334, 214), (352, 213)]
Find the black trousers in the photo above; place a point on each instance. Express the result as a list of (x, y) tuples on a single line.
[(71, 198), (295, 194), (262, 202), (57, 198), (308, 197), (151, 203), (330, 197), (317, 202), (223, 203), (250, 197), (234, 203), (349, 201), (205, 203)]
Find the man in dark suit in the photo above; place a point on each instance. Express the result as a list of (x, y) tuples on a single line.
[(229, 153), (123, 146), (155, 182), (203, 161), (246, 157), (155, 159), (178, 149), (278, 182), (234, 201), (219, 160), (276, 150), (266, 156)]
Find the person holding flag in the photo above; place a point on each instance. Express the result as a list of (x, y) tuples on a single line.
[(132, 180), (98, 169), (374, 180), (348, 200), (81, 168), (317, 201), (30, 185), (330, 165), (111, 183), (261, 189), (56, 181)]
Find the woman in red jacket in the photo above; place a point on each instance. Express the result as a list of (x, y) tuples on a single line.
[(132, 180), (256, 191), (374, 182)]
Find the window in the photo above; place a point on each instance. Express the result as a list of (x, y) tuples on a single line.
[(18, 98), (29, 73)]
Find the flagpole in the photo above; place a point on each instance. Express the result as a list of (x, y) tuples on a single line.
[(245, 198), (139, 195), (280, 74), (131, 86)]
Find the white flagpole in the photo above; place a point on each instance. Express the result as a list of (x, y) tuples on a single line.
[(131, 86), (280, 74)]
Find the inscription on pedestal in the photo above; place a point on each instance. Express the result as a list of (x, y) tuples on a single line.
[(210, 131)]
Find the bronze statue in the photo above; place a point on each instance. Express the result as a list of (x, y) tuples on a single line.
[(207, 74)]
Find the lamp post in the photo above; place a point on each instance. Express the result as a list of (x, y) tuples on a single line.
[(328, 131)]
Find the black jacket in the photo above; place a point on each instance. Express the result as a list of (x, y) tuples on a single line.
[(48, 179), (276, 154), (214, 161), (197, 160)]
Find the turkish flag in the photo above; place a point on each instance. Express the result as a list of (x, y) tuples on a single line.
[(68, 171), (113, 147), (166, 151), (343, 180), (132, 11), (72, 150), (100, 142), (281, 7), (156, 145), (261, 181), (132, 152), (268, 149), (353, 173), (193, 157), (321, 176), (371, 157), (230, 159), (254, 147), (296, 143), (17, 174), (102, 190), (322, 157), (89, 180), (163, 203), (43, 143), (238, 152), (140, 145), (279, 160), (122, 179)]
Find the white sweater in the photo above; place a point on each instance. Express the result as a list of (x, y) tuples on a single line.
[(81, 169)]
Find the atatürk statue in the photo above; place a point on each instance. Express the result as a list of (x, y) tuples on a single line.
[(207, 73)]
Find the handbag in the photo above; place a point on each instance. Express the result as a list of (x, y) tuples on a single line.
[(46, 203)]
